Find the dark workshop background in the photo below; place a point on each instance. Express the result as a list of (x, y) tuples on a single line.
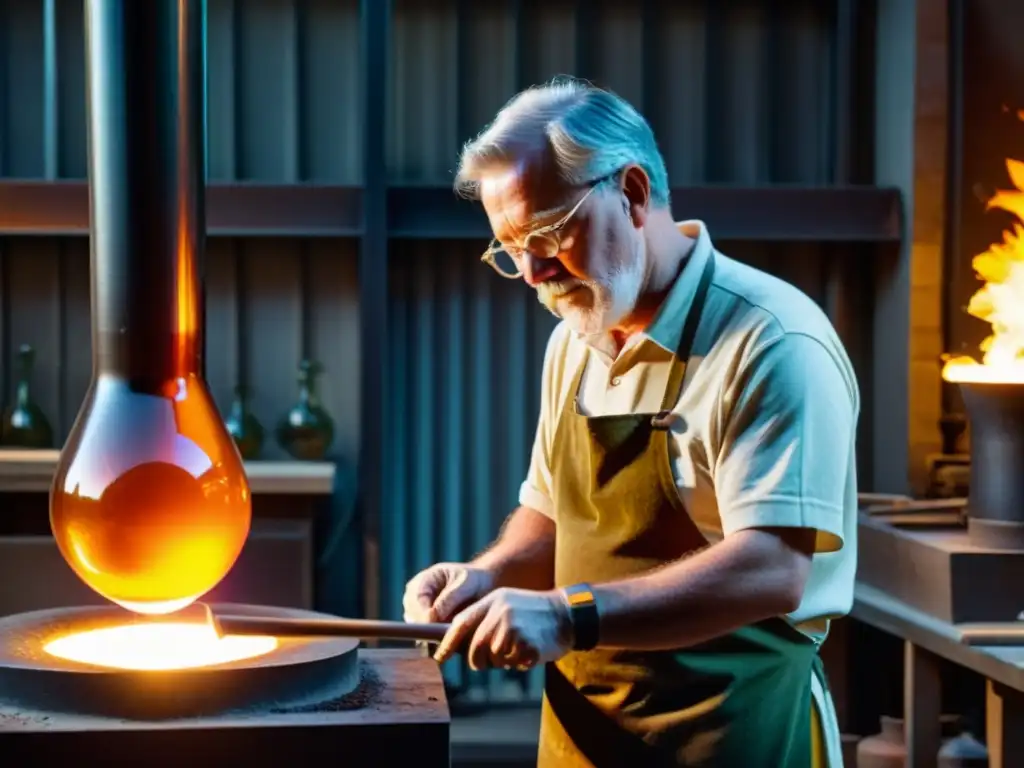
[(334, 127)]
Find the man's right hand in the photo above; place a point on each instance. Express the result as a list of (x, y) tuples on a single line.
[(438, 593)]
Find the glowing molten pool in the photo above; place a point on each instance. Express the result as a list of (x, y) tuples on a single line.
[(1000, 301), (158, 646)]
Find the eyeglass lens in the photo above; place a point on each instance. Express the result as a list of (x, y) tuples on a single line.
[(541, 245), (505, 263)]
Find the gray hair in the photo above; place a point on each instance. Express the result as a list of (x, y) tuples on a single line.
[(590, 132)]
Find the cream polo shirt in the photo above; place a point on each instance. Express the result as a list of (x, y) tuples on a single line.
[(767, 415)]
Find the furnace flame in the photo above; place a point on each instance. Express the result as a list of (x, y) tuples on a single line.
[(158, 646), (1000, 301)]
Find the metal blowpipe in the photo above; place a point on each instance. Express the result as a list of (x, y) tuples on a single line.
[(363, 629)]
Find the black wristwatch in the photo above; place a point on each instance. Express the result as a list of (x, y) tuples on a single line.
[(583, 616)]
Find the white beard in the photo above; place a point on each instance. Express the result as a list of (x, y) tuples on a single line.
[(611, 298)]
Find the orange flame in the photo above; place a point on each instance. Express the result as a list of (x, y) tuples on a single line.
[(158, 646), (1000, 301)]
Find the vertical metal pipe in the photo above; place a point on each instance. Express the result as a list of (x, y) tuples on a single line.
[(652, 22), (774, 165), (717, 92), (586, 45), (51, 95), (952, 402), (234, 12), (51, 164), (298, 170), (521, 66), (146, 84), (837, 270), (5, 289), (844, 55), (241, 313), (464, 73), (373, 289)]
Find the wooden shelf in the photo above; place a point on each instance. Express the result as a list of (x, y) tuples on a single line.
[(770, 213), (32, 471)]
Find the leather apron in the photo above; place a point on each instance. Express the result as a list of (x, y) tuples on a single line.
[(743, 700)]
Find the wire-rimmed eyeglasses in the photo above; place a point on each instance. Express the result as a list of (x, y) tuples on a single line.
[(545, 242)]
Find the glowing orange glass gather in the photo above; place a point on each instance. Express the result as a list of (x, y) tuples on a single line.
[(150, 504)]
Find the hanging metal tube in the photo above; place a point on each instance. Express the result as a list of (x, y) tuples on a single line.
[(147, 161)]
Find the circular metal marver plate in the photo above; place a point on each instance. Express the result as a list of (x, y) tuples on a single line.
[(299, 672)]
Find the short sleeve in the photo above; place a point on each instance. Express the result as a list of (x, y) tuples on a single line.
[(788, 442), (536, 492)]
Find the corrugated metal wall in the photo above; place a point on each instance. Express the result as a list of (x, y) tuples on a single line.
[(738, 92), (283, 90), (283, 108)]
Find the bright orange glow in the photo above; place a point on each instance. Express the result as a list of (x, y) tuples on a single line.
[(150, 505), (186, 293), (1000, 300), (158, 646)]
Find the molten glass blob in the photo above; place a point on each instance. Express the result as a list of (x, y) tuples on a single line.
[(150, 504), (158, 646)]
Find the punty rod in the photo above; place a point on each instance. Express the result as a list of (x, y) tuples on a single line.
[(364, 629)]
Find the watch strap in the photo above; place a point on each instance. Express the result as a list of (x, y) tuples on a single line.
[(583, 616)]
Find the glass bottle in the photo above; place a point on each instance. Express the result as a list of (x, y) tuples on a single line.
[(886, 749), (307, 430), (150, 504), (243, 425), (24, 423), (963, 751)]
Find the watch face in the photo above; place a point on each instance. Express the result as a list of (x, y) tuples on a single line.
[(581, 598)]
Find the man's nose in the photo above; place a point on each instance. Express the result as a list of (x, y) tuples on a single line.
[(538, 269)]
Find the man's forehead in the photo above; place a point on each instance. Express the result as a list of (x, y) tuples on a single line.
[(522, 192)]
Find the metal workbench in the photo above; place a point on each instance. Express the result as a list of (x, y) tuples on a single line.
[(927, 641)]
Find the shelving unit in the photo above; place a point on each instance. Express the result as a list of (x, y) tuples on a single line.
[(24, 471)]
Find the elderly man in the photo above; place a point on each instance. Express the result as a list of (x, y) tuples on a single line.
[(687, 527)]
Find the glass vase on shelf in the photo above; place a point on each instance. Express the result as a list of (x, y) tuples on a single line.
[(243, 426), (24, 423), (307, 430)]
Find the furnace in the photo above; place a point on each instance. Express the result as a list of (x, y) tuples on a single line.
[(945, 556), (298, 701), (150, 504), (147, 679)]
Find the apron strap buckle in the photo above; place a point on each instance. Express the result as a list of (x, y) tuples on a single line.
[(663, 420)]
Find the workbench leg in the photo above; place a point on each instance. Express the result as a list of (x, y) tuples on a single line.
[(922, 706), (1004, 727)]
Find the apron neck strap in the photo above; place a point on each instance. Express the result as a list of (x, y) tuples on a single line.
[(674, 387)]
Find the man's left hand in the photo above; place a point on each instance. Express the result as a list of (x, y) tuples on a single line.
[(511, 628)]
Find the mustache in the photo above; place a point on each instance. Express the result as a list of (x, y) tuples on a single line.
[(555, 288)]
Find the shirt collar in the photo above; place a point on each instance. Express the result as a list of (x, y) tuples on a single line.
[(666, 328)]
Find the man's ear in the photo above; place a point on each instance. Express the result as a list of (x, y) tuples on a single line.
[(636, 190)]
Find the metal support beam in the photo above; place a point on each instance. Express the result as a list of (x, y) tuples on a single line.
[(375, 16), (763, 214), (911, 72), (287, 210)]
